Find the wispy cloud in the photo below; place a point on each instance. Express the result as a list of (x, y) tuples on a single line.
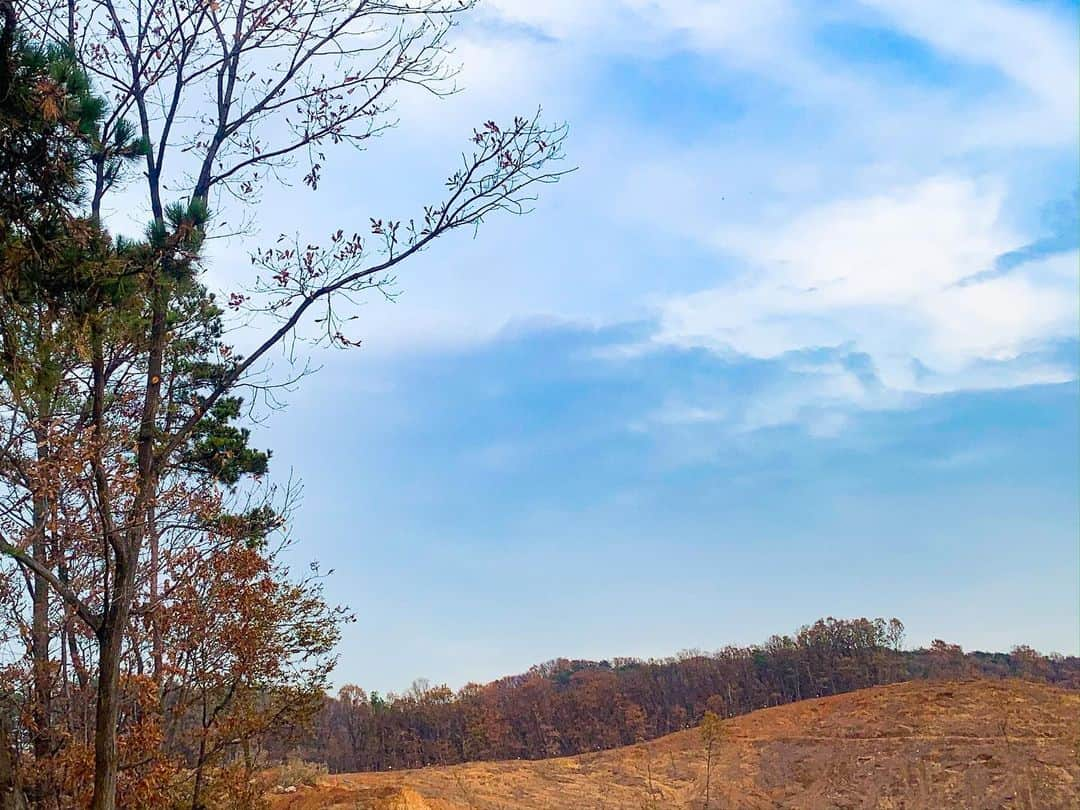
[(758, 179), (795, 313), (882, 275)]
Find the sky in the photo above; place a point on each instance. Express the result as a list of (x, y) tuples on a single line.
[(798, 338)]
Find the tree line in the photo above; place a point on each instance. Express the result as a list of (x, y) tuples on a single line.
[(567, 707)]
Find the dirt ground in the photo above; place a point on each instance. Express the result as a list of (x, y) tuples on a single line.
[(917, 746)]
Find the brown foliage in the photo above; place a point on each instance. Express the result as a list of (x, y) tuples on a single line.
[(922, 745), (570, 707), (138, 543)]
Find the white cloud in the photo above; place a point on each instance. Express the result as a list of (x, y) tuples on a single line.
[(675, 413), (1030, 47), (888, 276), (1033, 48), (606, 24), (825, 175)]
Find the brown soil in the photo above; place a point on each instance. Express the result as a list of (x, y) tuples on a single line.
[(918, 746)]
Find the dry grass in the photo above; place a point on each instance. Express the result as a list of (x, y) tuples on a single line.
[(299, 773), (918, 746)]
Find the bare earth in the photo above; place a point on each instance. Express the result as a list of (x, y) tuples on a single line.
[(919, 745)]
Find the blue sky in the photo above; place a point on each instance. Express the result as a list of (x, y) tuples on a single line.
[(798, 339)]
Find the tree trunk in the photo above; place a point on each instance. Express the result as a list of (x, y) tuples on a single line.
[(106, 756), (157, 642), (110, 649), (39, 639), (708, 775), (40, 635), (115, 618), (196, 793)]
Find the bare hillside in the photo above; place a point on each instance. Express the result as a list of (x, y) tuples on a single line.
[(928, 745)]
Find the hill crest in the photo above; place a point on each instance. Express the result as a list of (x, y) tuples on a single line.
[(925, 744)]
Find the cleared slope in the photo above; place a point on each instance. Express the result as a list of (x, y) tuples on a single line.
[(932, 745)]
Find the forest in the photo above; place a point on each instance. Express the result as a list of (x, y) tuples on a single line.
[(568, 707)]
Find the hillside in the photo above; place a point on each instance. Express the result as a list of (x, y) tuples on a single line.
[(928, 744), (566, 707)]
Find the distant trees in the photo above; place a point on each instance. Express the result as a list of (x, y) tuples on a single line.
[(566, 707), (946, 660)]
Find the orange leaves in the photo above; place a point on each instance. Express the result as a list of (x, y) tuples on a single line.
[(50, 98), (147, 771), (246, 648)]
